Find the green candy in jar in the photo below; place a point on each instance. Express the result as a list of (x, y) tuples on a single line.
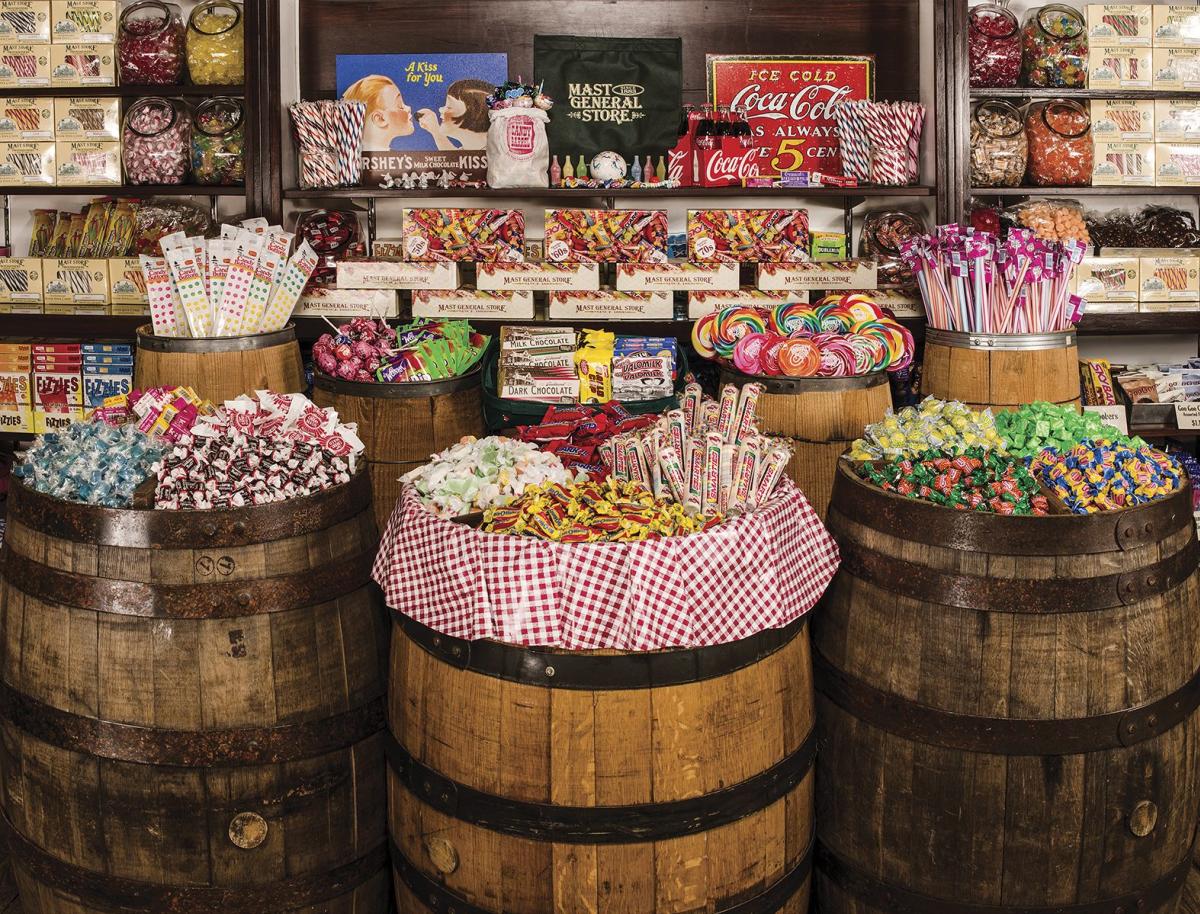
[(216, 44), (1054, 48), (219, 142)]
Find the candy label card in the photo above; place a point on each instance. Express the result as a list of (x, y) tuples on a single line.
[(1114, 416)]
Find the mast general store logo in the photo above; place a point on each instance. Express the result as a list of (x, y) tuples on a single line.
[(605, 103)]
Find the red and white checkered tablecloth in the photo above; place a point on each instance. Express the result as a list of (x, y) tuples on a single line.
[(751, 573)]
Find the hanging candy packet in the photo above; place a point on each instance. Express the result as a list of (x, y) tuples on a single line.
[(188, 275), (237, 284), (294, 278), (166, 310)]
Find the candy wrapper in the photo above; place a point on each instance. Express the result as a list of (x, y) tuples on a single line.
[(977, 480), (749, 235), (1036, 426), (950, 427), (606, 236), (484, 235), (1101, 475), (90, 462)]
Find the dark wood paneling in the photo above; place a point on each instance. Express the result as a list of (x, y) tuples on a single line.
[(888, 29)]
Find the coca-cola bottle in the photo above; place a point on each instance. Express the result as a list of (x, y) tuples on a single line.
[(685, 121), (706, 130), (723, 125), (742, 128)]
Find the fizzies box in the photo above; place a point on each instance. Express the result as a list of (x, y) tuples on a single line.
[(17, 418), (50, 387), (483, 235), (55, 418), (25, 119), (606, 235), (676, 274), (748, 235), (705, 302), (105, 349), (396, 274), (610, 304), (15, 386), (99, 386), (533, 275), (468, 303)]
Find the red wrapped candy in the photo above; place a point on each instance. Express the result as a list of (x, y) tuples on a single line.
[(150, 46)]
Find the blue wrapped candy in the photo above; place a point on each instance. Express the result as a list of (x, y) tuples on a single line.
[(90, 462)]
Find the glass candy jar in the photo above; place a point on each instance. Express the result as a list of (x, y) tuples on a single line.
[(1059, 136), (216, 44), (993, 46), (1055, 47), (883, 237), (156, 141), (999, 148), (150, 44), (219, 142)]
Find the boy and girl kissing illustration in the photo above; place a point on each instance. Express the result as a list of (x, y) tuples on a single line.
[(461, 123)]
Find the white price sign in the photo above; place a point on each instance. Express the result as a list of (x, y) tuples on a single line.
[(1112, 415), (1187, 415)]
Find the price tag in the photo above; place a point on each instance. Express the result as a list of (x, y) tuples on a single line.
[(1114, 416), (1187, 415)]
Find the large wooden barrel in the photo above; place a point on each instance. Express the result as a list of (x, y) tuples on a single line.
[(192, 707), (221, 367), (543, 782), (1001, 371), (1006, 709), (821, 417), (403, 424)]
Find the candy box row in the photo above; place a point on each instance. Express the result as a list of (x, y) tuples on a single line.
[(72, 285), (65, 163), (77, 65), (46, 21), (29, 118), (1130, 275)]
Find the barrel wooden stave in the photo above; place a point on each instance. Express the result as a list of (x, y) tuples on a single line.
[(110, 814), (223, 375), (575, 747), (998, 829), (1001, 379), (400, 433)]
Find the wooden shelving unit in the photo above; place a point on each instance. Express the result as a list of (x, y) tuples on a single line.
[(188, 91), (591, 193)]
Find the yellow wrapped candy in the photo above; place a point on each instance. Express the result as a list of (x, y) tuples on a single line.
[(216, 44)]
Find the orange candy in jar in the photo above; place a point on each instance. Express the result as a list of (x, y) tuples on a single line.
[(1059, 135)]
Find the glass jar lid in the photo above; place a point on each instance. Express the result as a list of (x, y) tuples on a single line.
[(153, 11), (219, 116), (138, 112), (212, 8), (993, 20), (1065, 111), (995, 115), (1060, 22)]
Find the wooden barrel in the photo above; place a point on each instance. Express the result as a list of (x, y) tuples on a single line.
[(1001, 371), (1006, 709), (540, 781), (192, 707), (403, 424), (821, 417), (221, 367)]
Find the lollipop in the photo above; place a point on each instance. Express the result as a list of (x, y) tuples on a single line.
[(799, 358)]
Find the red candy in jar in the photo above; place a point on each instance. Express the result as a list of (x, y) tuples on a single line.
[(1059, 135), (156, 142), (150, 46), (993, 47)]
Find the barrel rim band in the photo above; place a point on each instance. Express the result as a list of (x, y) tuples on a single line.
[(894, 899), (407, 390), (1056, 534), (1002, 342), (785, 385), (235, 746), (544, 667), (628, 824), (103, 891), (137, 528), (1023, 596), (437, 897), (202, 345), (916, 722)]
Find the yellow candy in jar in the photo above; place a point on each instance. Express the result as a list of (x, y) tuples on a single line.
[(216, 44)]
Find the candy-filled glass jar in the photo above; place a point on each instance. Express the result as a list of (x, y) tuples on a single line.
[(999, 149), (219, 142), (1055, 47), (1059, 135), (993, 46), (156, 141), (150, 44), (883, 237), (216, 44)]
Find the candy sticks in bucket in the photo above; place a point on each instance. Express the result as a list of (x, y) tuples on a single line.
[(329, 137), (972, 282)]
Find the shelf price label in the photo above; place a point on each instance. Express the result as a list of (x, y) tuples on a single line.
[(1113, 415), (1187, 415)]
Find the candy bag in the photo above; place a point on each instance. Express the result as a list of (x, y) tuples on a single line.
[(518, 153)]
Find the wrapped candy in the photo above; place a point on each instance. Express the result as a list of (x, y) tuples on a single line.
[(368, 349), (477, 474), (150, 44), (1036, 426), (216, 44), (156, 142), (976, 480), (90, 462), (219, 142), (950, 427), (1102, 475)]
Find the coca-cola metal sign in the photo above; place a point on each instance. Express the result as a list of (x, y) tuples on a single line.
[(789, 103)]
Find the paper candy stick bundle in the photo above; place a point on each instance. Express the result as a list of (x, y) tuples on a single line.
[(239, 284)]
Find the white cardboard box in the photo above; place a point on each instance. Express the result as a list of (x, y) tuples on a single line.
[(704, 302), (468, 303), (396, 274), (612, 305), (836, 274), (654, 277), (325, 302), (537, 274)]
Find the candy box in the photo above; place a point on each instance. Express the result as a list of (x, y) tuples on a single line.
[(93, 361), (1107, 279), (828, 246), (26, 118), (843, 274), (24, 65), (1176, 26), (61, 386), (677, 274), (1121, 119), (100, 385), (1123, 165), (84, 20), (396, 274), (20, 280), (486, 235), (606, 236), (16, 417), (25, 20), (88, 163), (83, 64), (468, 303), (127, 286), (73, 281), (643, 367), (1177, 164), (1169, 278), (1176, 119), (323, 301), (1177, 69), (83, 118), (749, 235), (704, 302), (1120, 24), (55, 417), (1113, 67), (536, 340), (87, 349), (610, 304), (15, 386), (26, 164), (543, 385), (537, 274)]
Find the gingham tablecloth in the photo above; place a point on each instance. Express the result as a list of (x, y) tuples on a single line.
[(751, 573)]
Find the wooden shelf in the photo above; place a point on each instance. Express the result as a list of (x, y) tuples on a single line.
[(589, 193), (1163, 431), (1081, 94), (126, 190), (16, 437), (127, 91), (1142, 322), (1084, 191)]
